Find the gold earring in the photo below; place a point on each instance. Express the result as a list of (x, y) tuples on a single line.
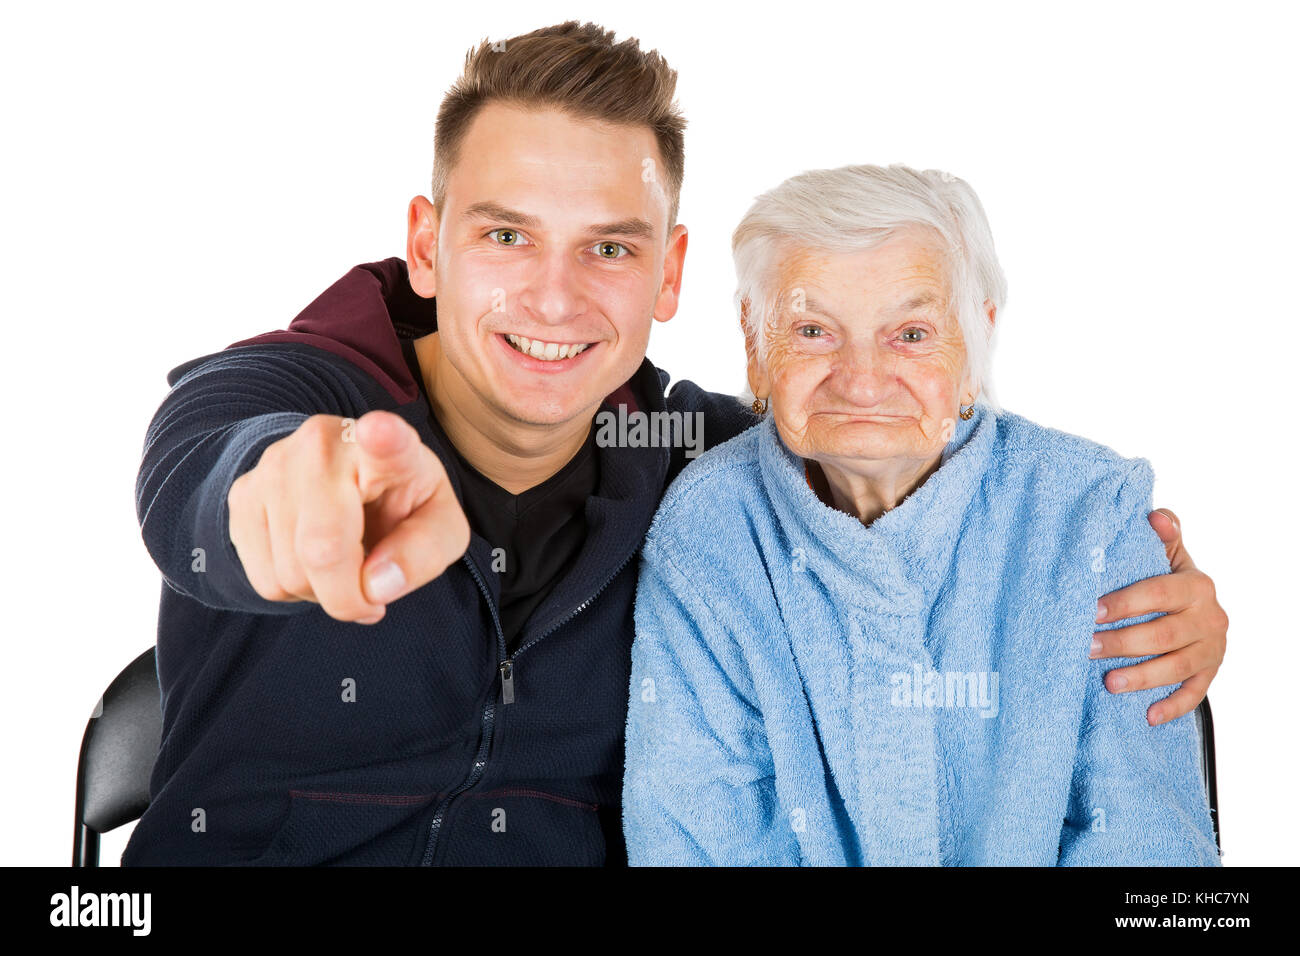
[(759, 406), (967, 412)]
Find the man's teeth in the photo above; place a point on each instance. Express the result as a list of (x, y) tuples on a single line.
[(546, 351)]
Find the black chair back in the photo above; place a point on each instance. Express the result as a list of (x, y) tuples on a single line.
[(118, 751), (1205, 724)]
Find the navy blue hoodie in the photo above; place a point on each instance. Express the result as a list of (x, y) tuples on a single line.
[(291, 738)]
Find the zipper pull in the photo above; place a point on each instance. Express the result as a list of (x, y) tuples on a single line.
[(507, 681)]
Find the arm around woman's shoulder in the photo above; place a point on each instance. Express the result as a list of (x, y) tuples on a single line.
[(1137, 796), (699, 784)]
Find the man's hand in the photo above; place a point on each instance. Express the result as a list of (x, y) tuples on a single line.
[(350, 515), (1190, 638)]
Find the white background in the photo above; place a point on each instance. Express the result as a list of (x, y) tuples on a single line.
[(178, 178)]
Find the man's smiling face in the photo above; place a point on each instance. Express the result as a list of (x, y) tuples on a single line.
[(553, 255)]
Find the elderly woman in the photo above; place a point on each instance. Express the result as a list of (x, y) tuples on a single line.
[(879, 652)]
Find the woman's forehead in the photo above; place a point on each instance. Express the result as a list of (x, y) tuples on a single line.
[(903, 273)]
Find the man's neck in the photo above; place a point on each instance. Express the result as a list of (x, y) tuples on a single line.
[(515, 455)]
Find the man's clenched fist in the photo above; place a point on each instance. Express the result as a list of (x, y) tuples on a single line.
[(349, 514)]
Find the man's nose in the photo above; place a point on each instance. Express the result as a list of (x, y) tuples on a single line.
[(553, 293)]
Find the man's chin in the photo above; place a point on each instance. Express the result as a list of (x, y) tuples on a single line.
[(546, 414)]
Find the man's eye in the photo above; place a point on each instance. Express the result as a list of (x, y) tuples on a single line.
[(507, 237), (913, 335), (610, 250), (810, 331)]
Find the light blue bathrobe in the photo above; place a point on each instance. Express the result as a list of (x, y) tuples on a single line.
[(807, 690)]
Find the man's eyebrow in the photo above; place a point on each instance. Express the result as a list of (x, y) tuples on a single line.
[(494, 210), (631, 227)]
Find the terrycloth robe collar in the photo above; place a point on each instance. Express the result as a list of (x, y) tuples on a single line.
[(880, 581), (894, 565)]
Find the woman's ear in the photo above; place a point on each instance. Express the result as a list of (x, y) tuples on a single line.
[(966, 392), (756, 372)]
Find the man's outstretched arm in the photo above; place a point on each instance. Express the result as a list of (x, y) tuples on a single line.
[(1190, 638), (259, 491)]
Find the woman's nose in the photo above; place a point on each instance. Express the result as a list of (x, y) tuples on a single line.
[(865, 373)]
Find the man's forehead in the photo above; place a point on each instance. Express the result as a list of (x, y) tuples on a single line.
[(552, 137), (526, 159)]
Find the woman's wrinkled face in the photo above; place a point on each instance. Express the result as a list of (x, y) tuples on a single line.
[(865, 360)]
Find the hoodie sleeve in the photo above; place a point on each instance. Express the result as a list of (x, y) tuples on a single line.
[(1137, 797), (699, 783), (222, 412)]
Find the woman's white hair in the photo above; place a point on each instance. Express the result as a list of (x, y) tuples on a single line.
[(829, 211)]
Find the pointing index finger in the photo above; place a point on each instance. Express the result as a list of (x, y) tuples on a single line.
[(388, 449)]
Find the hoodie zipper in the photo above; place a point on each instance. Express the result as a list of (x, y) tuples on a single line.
[(489, 721), (506, 670), (507, 665)]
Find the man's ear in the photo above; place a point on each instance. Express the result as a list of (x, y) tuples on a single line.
[(670, 290), (990, 310), (422, 246)]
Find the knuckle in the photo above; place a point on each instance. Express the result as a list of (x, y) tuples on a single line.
[(317, 426), (1142, 677), (1205, 583), (289, 578), (294, 581), (1164, 636), (266, 584), (1175, 705), (273, 455), (1160, 592), (320, 548), (321, 435)]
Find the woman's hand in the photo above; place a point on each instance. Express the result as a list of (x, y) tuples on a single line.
[(1190, 639)]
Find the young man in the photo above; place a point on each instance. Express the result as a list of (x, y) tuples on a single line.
[(397, 611)]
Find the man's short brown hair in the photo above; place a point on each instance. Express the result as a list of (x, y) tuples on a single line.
[(574, 67)]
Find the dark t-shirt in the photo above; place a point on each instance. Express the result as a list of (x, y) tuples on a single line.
[(539, 532)]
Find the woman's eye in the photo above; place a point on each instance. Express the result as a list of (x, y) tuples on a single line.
[(507, 237), (610, 250), (913, 335), (810, 331)]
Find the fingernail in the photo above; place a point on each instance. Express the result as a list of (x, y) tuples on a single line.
[(1101, 612), (1118, 682), (1156, 717), (386, 582), (1095, 649), (370, 620)]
